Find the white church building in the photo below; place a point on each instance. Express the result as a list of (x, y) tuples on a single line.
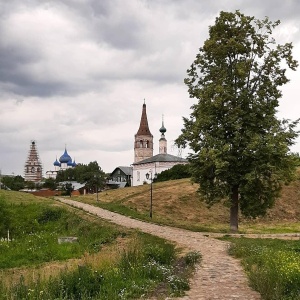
[(144, 161), (65, 162)]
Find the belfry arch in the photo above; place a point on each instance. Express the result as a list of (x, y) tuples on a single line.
[(143, 145)]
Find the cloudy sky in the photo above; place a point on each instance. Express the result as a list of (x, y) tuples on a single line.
[(76, 73)]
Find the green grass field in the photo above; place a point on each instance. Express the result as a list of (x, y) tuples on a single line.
[(35, 226), (106, 262)]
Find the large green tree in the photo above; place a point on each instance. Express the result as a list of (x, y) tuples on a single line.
[(91, 174), (50, 183), (240, 148), (14, 183)]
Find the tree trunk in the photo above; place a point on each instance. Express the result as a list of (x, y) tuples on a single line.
[(234, 209)]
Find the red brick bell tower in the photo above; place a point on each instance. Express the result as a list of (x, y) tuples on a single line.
[(143, 139)]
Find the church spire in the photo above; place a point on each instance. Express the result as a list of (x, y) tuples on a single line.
[(144, 127), (143, 139)]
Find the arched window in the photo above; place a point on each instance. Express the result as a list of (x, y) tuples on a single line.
[(141, 144), (147, 144)]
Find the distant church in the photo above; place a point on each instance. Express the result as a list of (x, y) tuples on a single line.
[(65, 162), (144, 161), (33, 167)]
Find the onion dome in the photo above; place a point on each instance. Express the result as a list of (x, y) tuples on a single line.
[(65, 158), (56, 163), (74, 163), (162, 128), (69, 163)]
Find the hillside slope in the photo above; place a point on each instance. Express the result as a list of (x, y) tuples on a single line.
[(177, 203)]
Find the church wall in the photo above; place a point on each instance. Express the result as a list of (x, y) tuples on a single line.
[(143, 147), (140, 171)]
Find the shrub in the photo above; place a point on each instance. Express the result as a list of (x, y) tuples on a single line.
[(176, 172), (50, 214), (192, 258)]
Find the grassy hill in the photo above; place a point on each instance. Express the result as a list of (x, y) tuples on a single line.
[(177, 203)]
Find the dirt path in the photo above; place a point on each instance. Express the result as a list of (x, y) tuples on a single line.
[(218, 277)]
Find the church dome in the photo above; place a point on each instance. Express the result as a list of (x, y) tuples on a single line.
[(162, 128), (65, 158), (74, 163), (56, 163)]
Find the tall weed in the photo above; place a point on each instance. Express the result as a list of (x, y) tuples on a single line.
[(273, 266), (147, 263)]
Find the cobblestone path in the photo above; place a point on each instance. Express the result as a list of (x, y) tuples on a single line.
[(219, 276)]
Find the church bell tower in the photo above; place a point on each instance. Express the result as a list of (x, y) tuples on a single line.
[(33, 166), (143, 139)]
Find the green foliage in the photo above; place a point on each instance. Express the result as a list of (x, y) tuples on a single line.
[(192, 258), (50, 183), (5, 218), (14, 183), (241, 150), (50, 214), (35, 229), (273, 266), (147, 264), (30, 185), (90, 174), (82, 283), (67, 189), (296, 158), (176, 172)]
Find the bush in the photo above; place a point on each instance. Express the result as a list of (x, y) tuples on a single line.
[(50, 214), (192, 258), (176, 172)]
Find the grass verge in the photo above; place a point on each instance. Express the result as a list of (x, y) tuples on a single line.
[(149, 267), (273, 266)]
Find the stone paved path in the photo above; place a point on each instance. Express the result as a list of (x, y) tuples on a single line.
[(219, 276)]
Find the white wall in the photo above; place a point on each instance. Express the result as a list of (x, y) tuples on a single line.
[(140, 171)]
